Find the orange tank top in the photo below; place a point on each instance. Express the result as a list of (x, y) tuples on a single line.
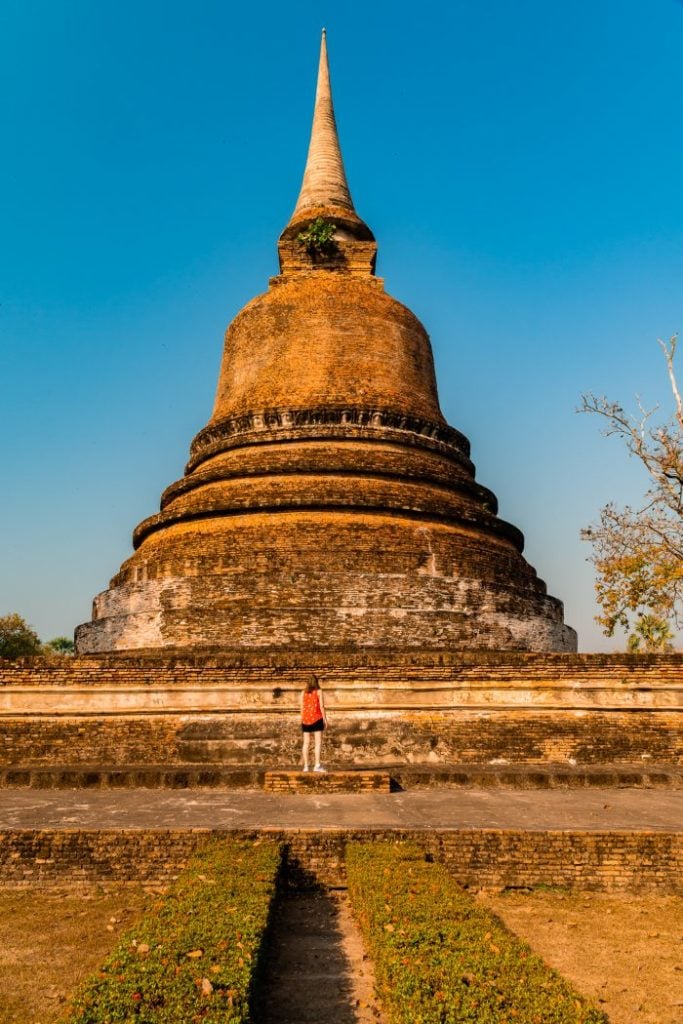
[(311, 711)]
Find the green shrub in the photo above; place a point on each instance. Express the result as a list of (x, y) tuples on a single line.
[(318, 238), (440, 958), (195, 958)]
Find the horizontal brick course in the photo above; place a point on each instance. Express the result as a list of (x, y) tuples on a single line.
[(381, 665), (635, 862), (253, 777)]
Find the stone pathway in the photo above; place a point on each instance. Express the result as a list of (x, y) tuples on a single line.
[(317, 971), (591, 809)]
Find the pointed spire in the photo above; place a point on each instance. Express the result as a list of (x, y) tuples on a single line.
[(324, 181)]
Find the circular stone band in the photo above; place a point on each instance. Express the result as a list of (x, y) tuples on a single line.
[(270, 423)]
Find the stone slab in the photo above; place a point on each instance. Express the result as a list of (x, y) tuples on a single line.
[(590, 810)]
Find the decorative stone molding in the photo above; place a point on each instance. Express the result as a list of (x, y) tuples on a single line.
[(461, 485), (325, 421)]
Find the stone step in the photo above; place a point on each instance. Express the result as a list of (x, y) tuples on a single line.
[(253, 776), (327, 782), (324, 975)]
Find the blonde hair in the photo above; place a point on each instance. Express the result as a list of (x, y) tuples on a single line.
[(312, 684)]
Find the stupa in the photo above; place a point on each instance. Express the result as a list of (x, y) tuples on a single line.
[(327, 503)]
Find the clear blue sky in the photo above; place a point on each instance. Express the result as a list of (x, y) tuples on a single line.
[(521, 166)]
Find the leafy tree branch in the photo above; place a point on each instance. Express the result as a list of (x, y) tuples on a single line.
[(638, 552)]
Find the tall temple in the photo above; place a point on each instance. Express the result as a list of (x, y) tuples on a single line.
[(327, 503)]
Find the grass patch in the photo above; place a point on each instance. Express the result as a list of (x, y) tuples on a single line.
[(440, 958), (195, 956)]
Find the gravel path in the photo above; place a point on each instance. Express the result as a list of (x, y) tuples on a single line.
[(316, 969)]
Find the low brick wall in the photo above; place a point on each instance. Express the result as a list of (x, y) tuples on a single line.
[(253, 777), (623, 861)]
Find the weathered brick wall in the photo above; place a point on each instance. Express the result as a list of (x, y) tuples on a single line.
[(326, 339), (608, 861), (643, 862), (112, 741), (410, 738), (418, 709), (338, 664)]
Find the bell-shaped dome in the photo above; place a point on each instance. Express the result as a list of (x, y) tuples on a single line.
[(326, 339)]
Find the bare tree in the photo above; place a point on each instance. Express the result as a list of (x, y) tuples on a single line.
[(638, 552)]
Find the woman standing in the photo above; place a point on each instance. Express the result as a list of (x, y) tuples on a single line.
[(313, 720)]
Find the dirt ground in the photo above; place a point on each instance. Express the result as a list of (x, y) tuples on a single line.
[(50, 940), (624, 952)]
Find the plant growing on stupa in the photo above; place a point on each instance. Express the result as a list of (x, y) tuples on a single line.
[(638, 552), (318, 238)]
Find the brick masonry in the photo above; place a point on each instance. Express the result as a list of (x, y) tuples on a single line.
[(328, 782), (635, 862), (430, 710), (327, 502)]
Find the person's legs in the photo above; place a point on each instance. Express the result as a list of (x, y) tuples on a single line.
[(304, 750), (318, 747)]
